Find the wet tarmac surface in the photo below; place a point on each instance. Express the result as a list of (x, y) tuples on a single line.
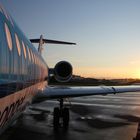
[(112, 117)]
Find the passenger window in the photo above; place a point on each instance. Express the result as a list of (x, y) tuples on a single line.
[(11, 20), (8, 37), (5, 13), (29, 55), (18, 44), (1, 9), (35, 59), (32, 57), (24, 49)]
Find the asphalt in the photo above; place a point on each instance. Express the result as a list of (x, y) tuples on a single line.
[(112, 117)]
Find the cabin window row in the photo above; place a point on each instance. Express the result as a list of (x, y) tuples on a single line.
[(26, 50), (38, 67)]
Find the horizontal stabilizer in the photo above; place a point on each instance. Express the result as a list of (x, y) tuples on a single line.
[(52, 41)]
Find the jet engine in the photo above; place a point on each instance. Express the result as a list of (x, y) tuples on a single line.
[(63, 71)]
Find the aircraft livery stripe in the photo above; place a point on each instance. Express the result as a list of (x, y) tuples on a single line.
[(10, 88)]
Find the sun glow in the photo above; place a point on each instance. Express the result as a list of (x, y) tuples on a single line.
[(137, 74), (109, 73)]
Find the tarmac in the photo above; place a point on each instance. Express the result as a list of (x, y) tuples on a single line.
[(111, 117)]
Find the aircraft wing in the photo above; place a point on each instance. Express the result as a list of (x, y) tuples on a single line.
[(58, 92)]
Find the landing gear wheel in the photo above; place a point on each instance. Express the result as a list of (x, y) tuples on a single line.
[(61, 114), (65, 115), (56, 118)]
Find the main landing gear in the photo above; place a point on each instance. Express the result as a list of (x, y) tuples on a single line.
[(61, 116)]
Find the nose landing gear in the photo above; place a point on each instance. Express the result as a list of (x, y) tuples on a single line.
[(61, 116)]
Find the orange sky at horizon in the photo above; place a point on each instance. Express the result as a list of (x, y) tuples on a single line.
[(109, 73)]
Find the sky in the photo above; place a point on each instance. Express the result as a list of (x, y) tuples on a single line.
[(107, 33)]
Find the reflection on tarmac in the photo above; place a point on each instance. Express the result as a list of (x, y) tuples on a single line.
[(113, 117)]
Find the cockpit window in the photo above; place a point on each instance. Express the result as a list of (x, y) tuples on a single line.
[(18, 44), (24, 49), (8, 37)]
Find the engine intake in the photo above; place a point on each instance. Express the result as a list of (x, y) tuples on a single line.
[(63, 71)]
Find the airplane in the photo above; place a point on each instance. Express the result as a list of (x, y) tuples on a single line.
[(24, 76)]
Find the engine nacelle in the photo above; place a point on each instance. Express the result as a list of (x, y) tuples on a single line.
[(63, 71)]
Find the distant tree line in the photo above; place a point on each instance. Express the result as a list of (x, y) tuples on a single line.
[(81, 81)]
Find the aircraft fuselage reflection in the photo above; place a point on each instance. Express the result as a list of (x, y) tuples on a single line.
[(22, 70)]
